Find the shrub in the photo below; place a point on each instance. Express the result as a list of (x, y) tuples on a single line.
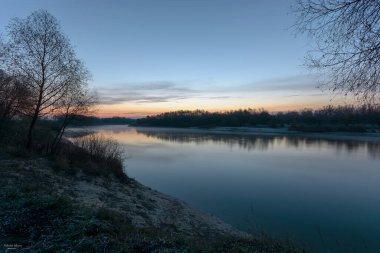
[(100, 147), (94, 155)]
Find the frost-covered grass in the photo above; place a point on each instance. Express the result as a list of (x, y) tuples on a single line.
[(43, 209)]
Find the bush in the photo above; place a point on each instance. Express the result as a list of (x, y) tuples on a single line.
[(100, 147), (92, 154)]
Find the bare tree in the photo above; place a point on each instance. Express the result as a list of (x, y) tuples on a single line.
[(347, 44), (41, 55), (78, 100)]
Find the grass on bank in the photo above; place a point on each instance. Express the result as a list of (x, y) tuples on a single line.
[(90, 154), (40, 218)]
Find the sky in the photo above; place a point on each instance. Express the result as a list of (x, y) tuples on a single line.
[(152, 56)]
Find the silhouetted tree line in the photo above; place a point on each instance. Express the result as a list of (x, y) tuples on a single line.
[(329, 118), (84, 120)]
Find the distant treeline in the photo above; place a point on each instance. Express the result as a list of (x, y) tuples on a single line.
[(329, 118), (82, 120)]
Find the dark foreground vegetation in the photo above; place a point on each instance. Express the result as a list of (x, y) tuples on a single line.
[(328, 119), (36, 218)]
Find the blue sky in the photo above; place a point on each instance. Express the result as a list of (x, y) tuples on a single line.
[(149, 56)]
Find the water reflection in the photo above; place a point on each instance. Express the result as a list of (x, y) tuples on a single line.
[(304, 187), (265, 142)]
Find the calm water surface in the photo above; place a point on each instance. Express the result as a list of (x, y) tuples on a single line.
[(321, 193)]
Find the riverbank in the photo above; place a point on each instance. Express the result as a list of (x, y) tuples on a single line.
[(45, 206)]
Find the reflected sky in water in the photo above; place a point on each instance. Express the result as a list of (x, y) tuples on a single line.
[(322, 192)]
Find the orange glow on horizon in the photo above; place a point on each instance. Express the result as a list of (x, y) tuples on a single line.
[(141, 110)]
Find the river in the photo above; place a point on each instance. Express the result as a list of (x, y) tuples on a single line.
[(320, 192)]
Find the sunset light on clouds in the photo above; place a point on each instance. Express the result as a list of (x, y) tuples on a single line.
[(141, 99), (148, 57)]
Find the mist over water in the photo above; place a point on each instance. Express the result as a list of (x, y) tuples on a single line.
[(321, 192)]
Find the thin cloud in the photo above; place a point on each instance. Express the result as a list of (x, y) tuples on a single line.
[(166, 91), (159, 86), (289, 96), (303, 83), (221, 97), (147, 92), (316, 95)]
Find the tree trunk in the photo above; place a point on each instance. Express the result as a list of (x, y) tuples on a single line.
[(30, 132), (60, 133), (36, 112), (60, 136)]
